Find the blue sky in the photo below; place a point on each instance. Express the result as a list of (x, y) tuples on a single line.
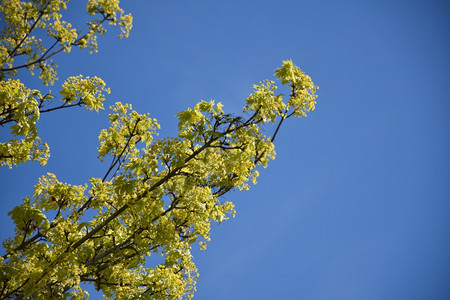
[(357, 203)]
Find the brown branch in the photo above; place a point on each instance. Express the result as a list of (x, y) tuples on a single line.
[(278, 127), (9, 118), (65, 105)]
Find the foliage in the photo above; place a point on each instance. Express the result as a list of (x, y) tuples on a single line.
[(34, 32), (158, 196)]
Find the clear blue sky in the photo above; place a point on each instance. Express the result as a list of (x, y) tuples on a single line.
[(357, 203)]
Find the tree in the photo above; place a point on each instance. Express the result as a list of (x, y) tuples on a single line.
[(157, 196)]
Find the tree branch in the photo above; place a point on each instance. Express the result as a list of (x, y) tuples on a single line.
[(46, 56)]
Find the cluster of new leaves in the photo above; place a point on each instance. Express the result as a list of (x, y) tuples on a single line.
[(158, 197), (21, 107), (33, 32), (25, 22)]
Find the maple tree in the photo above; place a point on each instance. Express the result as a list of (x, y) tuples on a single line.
[(157, 196)]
